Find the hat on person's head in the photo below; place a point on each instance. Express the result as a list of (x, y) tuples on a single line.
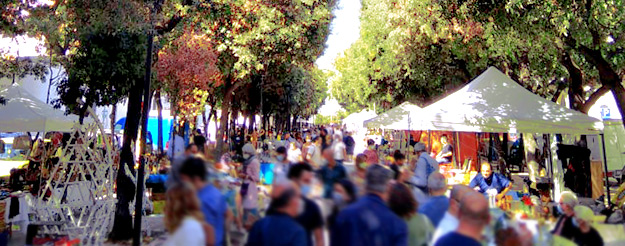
[(377, 178), (248, 149), (584, 213), (419, 147)]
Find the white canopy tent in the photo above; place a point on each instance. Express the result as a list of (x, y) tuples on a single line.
[(25, 113), (495, 103), (356, 120), (402, 117)]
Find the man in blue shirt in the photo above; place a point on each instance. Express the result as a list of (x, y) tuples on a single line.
[(473, 216), (212, 202), (438, 203), (487, 180), (279, 227), (330, 173), (369, 222), (311, 218)]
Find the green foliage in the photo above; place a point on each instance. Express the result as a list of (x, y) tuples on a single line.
[(408, 50), (416, 50), (103, 69)]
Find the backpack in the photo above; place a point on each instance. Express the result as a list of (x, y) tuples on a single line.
[(429, 169)]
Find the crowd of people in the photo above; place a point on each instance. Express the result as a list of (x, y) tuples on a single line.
[(323, 193)]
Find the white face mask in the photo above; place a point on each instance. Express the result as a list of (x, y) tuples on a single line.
[(246, 156)]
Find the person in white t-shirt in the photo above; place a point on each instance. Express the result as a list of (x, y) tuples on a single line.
[(449, 223), (313, 154), (184, 220), (294, 154), (339, 148)]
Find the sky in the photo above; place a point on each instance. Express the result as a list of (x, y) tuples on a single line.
[(344, 31)]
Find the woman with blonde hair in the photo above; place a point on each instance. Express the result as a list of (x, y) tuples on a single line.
[(184, 219)]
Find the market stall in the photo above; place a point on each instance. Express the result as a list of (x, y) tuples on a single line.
[(25, 113), (355, 121)]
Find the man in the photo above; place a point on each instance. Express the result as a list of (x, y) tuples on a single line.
[(279, 227), (288, 139), (175, 147), (313, 153), (446, 153), (486, 180), (423, 167), (340, 152), (330, 173), (474, 216), (565, 226), (398, 163), (369, 221), (311, 219), (449, 222), (350, 144), (174, 171), (438, 203), (199, 140), (212, 202)]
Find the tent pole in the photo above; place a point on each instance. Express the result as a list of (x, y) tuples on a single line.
[(605, 166), (551, 166), (429, 142)]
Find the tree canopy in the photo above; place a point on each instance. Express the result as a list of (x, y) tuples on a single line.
[(417, 50)]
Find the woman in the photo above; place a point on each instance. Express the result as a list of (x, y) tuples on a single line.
[(250, 174), (402, 202), (358, 176), (370, 152), (184, 219), (344, 193)]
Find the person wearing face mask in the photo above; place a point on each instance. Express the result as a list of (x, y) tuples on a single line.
[(369, 221), (330, 173), (358, 175), (344, 194), (587, 236), (250, 176), (564, 226), (311, 218), (313, 153), (279, 226), (281, 164)]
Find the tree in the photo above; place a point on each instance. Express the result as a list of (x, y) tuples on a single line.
[(252, 35), (407, 50), (419, 49), (187, 68)]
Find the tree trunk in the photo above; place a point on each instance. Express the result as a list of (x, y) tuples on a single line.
[(294, 124), (159, 108), (122, 227), (251, 124), (576, 82), (225, 109), (112, 118)]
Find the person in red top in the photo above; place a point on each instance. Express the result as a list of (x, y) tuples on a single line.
[(372, 155)]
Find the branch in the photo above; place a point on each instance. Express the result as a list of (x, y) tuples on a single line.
[(169, 25), (607, 74), (615, 52), (593, 98)]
